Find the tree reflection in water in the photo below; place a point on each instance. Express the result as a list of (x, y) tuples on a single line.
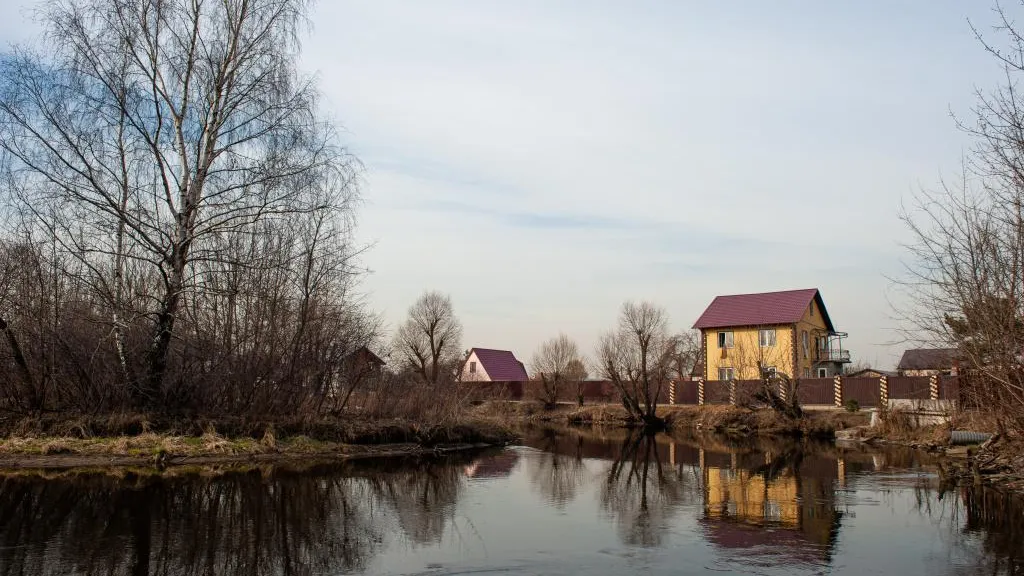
[(775, 504), (317, 521), (641, 493), (558, 471)]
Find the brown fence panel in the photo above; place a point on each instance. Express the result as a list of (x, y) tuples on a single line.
[(716, 392), (949, 388), (866, 391), (662, 393), (686, 392), (745, 391), (816, 391), (909, 388)]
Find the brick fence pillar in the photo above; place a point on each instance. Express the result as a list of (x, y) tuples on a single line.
[(672, 392), (732, 392), (883, 391), (933, 387), (837, 390), (700, 391), (782, 391)]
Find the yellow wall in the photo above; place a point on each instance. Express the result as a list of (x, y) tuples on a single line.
[(744, 356), (814, 324)]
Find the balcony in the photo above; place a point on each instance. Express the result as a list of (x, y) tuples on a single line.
[(833, 355)]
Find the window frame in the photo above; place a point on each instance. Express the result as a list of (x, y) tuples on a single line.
[(761, 340), (728, 371), (726, 339), (472, 367), (822, 369), (805, 340)]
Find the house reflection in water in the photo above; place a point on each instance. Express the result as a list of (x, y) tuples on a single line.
[(498, 465), (780, 504)]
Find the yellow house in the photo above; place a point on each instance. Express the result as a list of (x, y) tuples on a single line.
[(747, 335)]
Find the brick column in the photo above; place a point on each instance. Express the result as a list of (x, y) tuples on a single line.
[(700, 391), (837, 389), (672, 392), (883, 391), (782, 391), (732, 392), (933, 387)]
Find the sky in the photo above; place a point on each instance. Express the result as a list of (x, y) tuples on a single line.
[(543, 162)]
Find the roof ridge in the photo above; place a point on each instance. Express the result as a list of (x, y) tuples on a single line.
[(769, 292)]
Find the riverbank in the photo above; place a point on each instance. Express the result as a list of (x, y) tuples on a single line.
[(133, 440), (998, 462), (726, 420)]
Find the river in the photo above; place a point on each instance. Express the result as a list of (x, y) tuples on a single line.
[(565, 502)]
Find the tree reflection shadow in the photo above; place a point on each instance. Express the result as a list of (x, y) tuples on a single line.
[(986, 516), (558, 471), (259, 522), (641, 492)]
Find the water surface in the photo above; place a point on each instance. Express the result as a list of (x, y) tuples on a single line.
[(567, 502)]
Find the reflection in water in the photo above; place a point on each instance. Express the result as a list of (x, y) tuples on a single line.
[(641, 493), (769, 507), (558, 472), (317, 521), (784, 504)]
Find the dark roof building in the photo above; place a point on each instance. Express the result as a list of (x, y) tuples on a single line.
[(927, 359)]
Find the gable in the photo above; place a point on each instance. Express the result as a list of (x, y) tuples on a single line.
[(500, 365)]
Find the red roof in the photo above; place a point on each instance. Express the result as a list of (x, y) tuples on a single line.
[(766, 308), (501, 365)]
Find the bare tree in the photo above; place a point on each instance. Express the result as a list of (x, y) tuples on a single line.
[(753, 359), (638, 357), (688, 352), (148, 132), (966, 276), (552, 362), (429, 341), (577, 374)]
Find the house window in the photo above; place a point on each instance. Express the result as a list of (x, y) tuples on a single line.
[(771, 372), (806, 342), (766, 337), (726, 373), (807, 372), (822, 372), (472, 367), (810, 309), (725, 340)]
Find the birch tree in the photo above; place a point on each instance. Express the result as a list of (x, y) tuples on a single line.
[(142, 134)]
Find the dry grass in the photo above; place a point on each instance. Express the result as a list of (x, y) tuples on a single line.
[(899, 426), (325, 439)]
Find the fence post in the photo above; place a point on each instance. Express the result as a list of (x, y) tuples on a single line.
[(837, 387), (933, 387), (700, 391), (883, 391), (672, 392), (732, 392)]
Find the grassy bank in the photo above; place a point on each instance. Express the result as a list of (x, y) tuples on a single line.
[(135, 439), (729, 420)]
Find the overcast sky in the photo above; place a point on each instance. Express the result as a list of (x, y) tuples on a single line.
[(544, 161)]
